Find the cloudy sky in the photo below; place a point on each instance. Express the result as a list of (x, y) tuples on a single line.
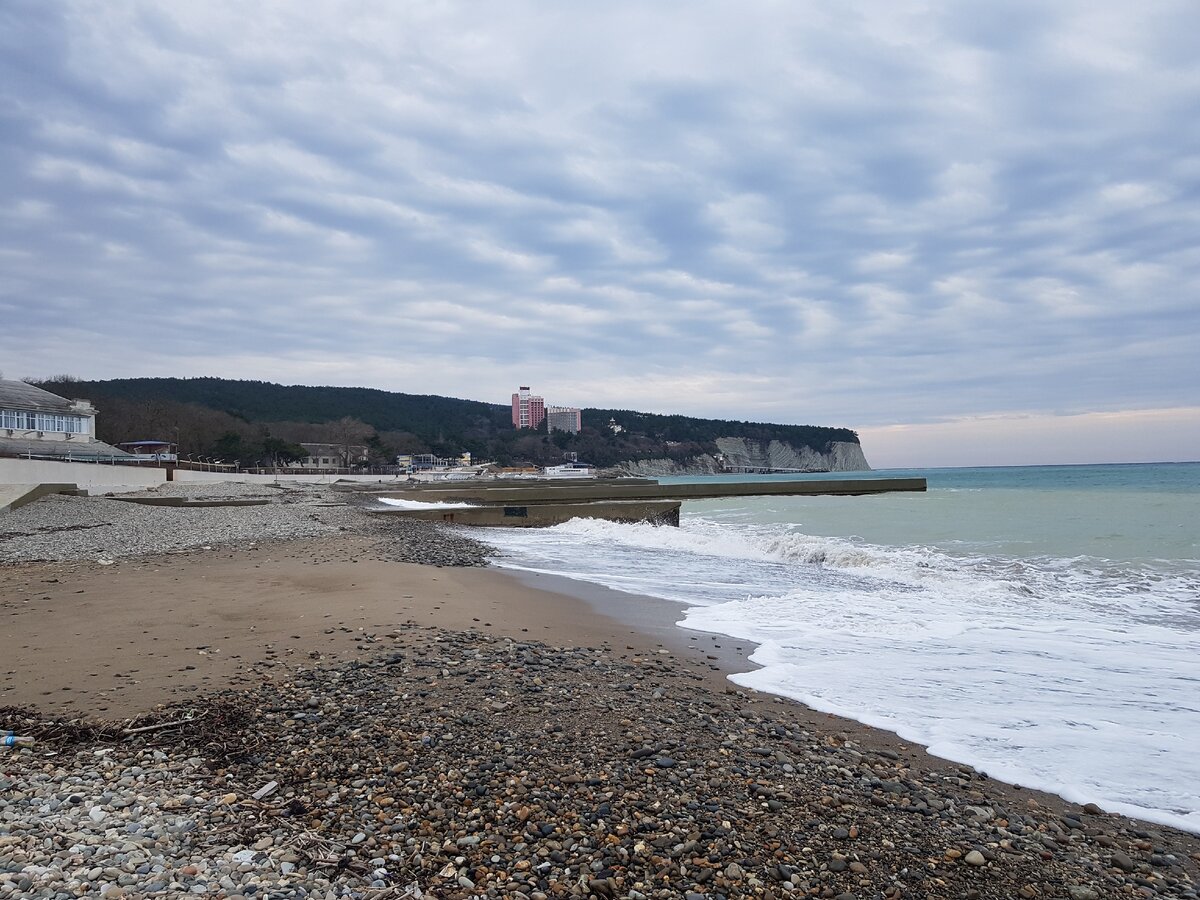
[(969, 230)]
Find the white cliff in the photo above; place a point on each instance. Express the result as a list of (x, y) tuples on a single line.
[(740, 453)]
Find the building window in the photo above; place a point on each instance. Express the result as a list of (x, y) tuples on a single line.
[(28, 420), (35, 421)]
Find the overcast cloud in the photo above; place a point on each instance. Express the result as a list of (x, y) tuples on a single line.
[(871, 214)]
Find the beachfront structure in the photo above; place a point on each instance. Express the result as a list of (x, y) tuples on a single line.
[(569, 470), (37, 423), (41, 415), (527, 410), (425, 467), (421, 462), (151, 451), (564, 418), (331, 456)]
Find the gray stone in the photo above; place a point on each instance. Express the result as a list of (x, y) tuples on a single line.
[(1122, 862)]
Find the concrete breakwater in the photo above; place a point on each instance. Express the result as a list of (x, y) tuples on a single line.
[(538, 515), (533, 503)]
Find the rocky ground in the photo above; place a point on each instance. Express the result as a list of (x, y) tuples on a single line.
[(67, 529), (466, 765)]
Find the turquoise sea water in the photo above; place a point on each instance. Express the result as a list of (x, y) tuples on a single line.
[(1042, 623), (1118, 512)]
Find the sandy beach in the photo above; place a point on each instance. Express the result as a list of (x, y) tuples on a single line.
[(459, 731), (118, 640)]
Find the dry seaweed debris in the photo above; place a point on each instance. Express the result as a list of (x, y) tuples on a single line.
[(219, 728)]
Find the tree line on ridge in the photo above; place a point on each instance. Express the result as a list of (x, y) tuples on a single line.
[(262, 423)]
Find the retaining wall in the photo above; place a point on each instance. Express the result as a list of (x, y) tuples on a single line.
[(87, 475), (192, 475), (120, 479)]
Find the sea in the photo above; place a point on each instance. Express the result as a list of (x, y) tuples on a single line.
[(1041, 624)]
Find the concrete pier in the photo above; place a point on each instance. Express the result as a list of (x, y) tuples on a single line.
[(528, 504), (536, 492), (540, 515)]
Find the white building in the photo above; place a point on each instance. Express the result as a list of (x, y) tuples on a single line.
[(34, 422), (331, 456)]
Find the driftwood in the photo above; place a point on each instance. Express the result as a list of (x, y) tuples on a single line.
[(161, 725)]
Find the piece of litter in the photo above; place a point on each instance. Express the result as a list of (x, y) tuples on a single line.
[(266, 790)]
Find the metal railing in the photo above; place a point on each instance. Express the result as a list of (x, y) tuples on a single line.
[(202, 465), (327, 470), (104, 459), (97, 458)]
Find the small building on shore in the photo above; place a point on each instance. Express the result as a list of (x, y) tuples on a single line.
[(331, 456), (569, 470), (425, 462)]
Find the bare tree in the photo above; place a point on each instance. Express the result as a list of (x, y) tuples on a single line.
[(349, 433)]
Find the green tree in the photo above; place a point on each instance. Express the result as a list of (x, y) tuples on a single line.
[(279, 452), (231, 448)]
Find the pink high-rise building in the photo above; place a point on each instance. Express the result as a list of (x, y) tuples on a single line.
[(527, 410)]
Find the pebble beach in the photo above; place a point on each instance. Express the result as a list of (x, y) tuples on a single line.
[(339, 705)]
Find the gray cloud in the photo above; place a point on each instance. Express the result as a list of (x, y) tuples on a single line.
[(894, 214)]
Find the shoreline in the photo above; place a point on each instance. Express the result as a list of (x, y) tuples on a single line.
[(247, 623), (725, 656)]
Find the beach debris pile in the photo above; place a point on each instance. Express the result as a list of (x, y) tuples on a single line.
[(459, 764)]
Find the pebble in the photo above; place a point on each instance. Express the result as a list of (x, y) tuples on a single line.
[(67, 529)]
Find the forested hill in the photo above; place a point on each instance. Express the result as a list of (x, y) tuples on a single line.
[(264, 401), (246, 419)]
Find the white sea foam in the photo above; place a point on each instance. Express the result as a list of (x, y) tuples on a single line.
[(420, 504), (1076, 675), (1096, 711)]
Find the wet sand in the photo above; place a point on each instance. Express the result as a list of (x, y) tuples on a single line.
[(117, 640)]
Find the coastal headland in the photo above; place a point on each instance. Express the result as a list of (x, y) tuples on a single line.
[(299, 699)]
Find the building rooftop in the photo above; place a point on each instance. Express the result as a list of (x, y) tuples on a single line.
[(59, 449), (20, 395)]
